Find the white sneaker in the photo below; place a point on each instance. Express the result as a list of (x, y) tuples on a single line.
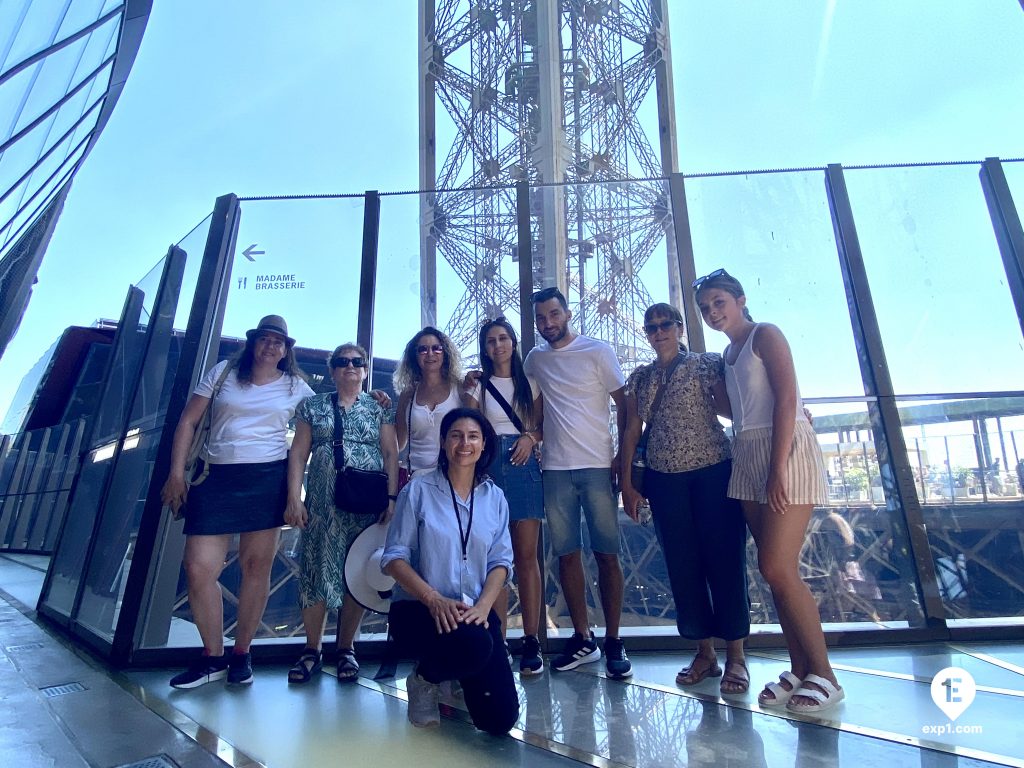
[(424, 699)]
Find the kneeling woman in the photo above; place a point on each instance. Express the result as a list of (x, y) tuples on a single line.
[(450, 552)]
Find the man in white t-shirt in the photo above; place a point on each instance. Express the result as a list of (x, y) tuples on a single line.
[(577, 375)]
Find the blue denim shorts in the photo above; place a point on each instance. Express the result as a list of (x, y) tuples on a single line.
[(521, 484), (567, 493)]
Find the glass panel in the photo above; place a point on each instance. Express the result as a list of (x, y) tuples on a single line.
[(70, 558), (914, 252), (35, 199), (817, 84), (11, 15), (193, 244), (81, 14), (1014, 171), (399, 301), (12, 96), (53, 81), (970, 473), (124, 506), (774, 233), (37, 31), (303, 263)]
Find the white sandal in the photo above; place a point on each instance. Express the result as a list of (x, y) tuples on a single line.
[(827, 697), (780, 696)]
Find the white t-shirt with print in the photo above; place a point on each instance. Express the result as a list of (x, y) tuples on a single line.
[(250, 423), (492, 408), (576, 381)]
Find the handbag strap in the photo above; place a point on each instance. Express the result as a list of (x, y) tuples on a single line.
[(203, 433), (338, 445), (408, 430), (659, 395), (516, 421)]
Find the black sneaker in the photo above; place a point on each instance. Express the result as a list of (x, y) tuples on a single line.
[(531, 662), (616, 663), (205, 669), (578, 650), (240, 669)]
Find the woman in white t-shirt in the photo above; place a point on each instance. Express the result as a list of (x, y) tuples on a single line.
[(245, 493), (428, 378), (503, 386)]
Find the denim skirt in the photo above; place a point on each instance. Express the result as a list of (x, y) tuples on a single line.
[(238, 498), (521, 484)]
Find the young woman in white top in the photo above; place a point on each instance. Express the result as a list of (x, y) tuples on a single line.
[(246, 492), (428, 377), (778, 475), (515, 469)]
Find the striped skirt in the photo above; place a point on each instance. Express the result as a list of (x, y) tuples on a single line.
[(751, 457)]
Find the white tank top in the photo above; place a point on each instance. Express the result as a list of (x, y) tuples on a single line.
[(750, 393), (425, 431)]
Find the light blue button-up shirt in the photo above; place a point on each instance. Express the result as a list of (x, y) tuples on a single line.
[(425, 533)]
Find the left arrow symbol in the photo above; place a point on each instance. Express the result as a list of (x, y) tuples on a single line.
[(249, 252)]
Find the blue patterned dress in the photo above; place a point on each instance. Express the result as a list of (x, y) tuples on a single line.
[(329, 531)]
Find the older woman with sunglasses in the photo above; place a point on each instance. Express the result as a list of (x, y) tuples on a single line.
[(700, 529), (369, 443), (428, 379)]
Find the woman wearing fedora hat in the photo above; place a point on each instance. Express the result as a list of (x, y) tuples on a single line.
[(450, 552), (252, 398), (368, 443)]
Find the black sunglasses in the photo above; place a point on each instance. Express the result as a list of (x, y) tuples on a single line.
[(344, 362), (709, 276), (664, 325), (424, 349)]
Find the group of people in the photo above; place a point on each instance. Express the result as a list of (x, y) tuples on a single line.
[(488, 456)]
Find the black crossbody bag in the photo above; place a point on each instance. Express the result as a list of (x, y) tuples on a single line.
[(359, 491)]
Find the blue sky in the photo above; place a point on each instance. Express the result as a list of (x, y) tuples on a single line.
[(240, 97)]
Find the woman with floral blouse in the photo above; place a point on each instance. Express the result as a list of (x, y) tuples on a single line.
[(700, 529)]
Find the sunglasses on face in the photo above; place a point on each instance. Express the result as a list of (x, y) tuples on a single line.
[(664, 325), (345, 362), (709, 276), (425, 349)]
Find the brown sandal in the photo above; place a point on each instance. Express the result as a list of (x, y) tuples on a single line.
[(741, 682), (692, 674)]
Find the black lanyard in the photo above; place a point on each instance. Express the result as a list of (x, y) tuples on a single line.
[(463, 535)]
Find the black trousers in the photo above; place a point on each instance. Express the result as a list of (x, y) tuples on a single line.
[(471, 654), (704, 537)]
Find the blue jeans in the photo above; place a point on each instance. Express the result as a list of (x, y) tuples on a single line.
[(521, 484), (567, 492)]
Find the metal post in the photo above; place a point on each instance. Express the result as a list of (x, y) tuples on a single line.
[(687, 268), (1007, 226), (890, 446), (526, 324), (368, 276)]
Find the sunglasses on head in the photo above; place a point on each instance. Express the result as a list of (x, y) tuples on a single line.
[(345, 362), (424, 349), (664, 325), (546, 294), (709, 276)]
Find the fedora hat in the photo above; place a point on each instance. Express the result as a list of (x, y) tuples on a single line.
[(274, 324), (364, 581)]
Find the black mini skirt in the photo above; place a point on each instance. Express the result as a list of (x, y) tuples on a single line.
[(238, 498)]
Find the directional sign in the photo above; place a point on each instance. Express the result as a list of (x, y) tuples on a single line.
[(249, 252)]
